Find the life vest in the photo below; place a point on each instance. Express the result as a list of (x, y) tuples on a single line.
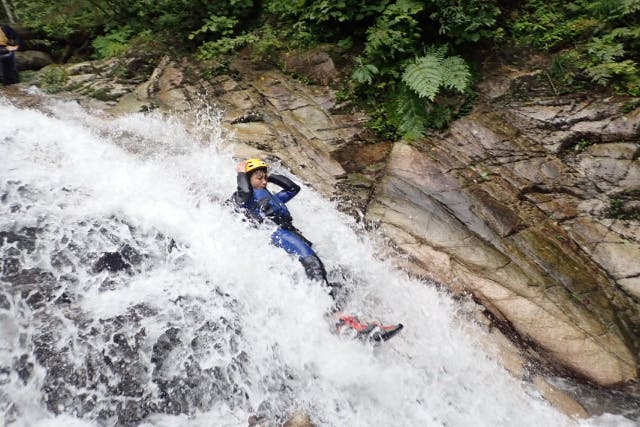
[(264, 204)]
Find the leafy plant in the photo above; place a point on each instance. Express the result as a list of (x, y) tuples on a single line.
[(395, 32), (604, 36), (53, 78), (218, 26), (411, 115), (423, 79), (582, 145), (428, 74), (267, 44), (364, 73), (621, 205), (113, 44), (465, 21), (224, 45), (630, 106)]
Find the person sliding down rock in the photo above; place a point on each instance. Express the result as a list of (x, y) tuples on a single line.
[(259, 204)]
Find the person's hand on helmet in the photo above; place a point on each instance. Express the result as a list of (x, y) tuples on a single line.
[(240, 167)]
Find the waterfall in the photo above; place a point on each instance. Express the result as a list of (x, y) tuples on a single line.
[(132, 294)]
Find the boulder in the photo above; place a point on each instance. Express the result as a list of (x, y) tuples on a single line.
[(317, 65), (32, 59)]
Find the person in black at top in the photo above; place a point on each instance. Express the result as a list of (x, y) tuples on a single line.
[(10, 42)]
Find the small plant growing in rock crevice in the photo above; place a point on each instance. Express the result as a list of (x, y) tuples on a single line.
[(624, 205), (54, 79), (582, 145)]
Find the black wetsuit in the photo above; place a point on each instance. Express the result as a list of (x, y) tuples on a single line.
[(8, 68)]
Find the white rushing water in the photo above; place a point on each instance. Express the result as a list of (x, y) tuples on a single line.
[(244, 314)]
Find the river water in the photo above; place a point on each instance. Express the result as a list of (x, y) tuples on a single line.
[(206, 324)]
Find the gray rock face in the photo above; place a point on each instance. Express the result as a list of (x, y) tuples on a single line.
[(519, 201)]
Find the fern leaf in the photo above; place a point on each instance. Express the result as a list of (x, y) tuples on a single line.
[(411, 113), (424, 76), (456, 74)]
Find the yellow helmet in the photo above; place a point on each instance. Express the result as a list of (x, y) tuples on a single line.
[(253, 164)]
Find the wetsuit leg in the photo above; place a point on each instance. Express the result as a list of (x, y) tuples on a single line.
[(314, 268), (296, 244), (9, 70), (291, 242)]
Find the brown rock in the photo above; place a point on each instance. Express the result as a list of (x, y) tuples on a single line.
[(560, 399), (316, 65)]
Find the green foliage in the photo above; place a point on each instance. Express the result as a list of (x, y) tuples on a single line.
[(118, 21), (465, 21), (383, 122), (426, 77), (395, 33), (612, 10), (113, 44), (544, 24), (267, 44), (414, 115), (219, 26), (428, 74), (327, 19), (582, 145), (630, 106), (394, 71), (62, 19), (607, 61), (565, 69), (411, 115), (603, 37), (53, 78), (224, 45), (389, 66), (364, 73), (621, 205)]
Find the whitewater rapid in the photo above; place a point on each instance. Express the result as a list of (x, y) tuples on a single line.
[(87, 183)]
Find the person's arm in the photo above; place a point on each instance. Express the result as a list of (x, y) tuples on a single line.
[(14, 38), (289, 188), (244, 191)]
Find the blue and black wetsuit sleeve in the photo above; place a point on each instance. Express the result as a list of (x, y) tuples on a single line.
[(242, 197), (289, 188), (244, 191)]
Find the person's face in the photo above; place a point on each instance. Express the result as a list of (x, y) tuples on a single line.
[(259, 180)]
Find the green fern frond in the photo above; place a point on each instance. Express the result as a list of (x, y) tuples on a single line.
[(456, 73), (603, 73), (412, 116), (625, 32), (439, 52), (427, 74), (424, 76), (605, 50)]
